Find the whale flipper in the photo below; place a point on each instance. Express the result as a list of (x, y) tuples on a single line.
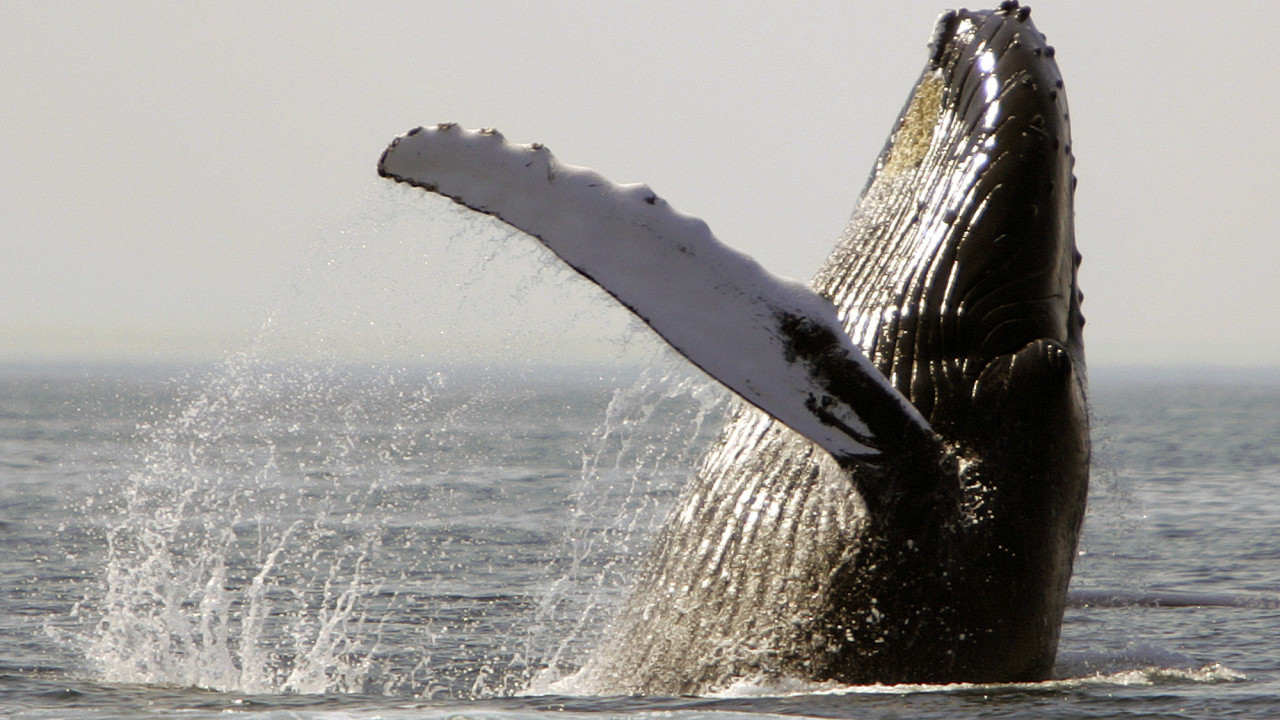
[(774, 341)]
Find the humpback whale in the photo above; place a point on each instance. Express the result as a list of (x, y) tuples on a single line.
[(900, 495)]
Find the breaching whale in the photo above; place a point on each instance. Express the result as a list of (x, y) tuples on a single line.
[(900, 497)]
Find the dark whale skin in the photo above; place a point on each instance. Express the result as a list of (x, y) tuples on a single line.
[(943, 560)]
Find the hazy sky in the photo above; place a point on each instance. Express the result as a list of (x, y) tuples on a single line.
[(187, 179)]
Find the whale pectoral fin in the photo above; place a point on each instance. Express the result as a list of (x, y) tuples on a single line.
[(771, 340)]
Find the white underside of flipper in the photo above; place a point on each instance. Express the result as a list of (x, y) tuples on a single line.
[(715, 305)]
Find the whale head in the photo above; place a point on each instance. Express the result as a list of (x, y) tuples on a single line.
[(961, 250)]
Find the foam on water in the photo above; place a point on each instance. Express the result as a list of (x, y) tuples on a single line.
[(1139, 676)]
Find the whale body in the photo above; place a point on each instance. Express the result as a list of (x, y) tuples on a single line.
[(900, 495)]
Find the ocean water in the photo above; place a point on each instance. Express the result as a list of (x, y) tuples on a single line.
[(285, 541)]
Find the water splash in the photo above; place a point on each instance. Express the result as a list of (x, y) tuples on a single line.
[(238, 557), (304, 527)]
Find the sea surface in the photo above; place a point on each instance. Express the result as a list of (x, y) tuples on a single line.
[(257, 539)]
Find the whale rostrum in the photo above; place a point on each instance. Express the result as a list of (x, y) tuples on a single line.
[(900, 497)]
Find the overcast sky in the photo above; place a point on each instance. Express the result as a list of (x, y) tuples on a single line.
[(180, 180)]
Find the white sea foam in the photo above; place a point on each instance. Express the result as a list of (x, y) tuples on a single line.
[(1152, 675)]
